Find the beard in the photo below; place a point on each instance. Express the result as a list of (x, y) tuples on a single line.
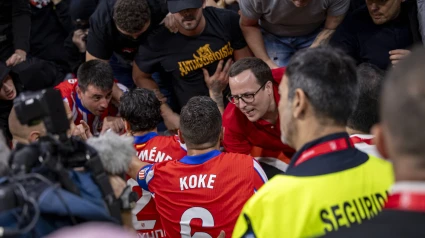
[(189, 23)]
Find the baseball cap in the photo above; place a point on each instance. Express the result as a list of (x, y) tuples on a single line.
[(4, 71), (180, 5)]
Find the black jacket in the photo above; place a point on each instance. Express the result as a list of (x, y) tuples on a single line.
[(15, 24)]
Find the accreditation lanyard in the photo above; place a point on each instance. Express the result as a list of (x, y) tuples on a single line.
[(324, 148), (356, 140), (407, 201)]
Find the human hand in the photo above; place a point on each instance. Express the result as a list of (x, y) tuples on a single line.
[(116, 124), (82, 130), (16, 58), (78, 40), (217, 82), (397, 55), (170, 23), (118, 185), (171, 119), (271, 64)]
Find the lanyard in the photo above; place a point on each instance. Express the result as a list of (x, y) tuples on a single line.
[(324, 148), (409, 201), (356, 140)]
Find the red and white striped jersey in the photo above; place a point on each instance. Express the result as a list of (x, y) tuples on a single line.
[(79, 112), (152, 148)]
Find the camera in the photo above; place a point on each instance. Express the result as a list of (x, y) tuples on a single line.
[(57, 175), (47, 106)]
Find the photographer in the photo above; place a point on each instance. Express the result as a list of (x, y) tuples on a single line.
[(54, 182)]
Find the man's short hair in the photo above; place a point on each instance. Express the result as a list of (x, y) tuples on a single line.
[(141, 109), (200, 122), (403, 105), (96, 73), (328, 78), (258, 67), (366, 113), (131, 15)]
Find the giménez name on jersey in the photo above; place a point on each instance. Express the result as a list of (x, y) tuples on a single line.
[(197, 181), (153, 155)]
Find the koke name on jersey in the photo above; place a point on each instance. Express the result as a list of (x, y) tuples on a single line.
[(153, 155), (197, 181)]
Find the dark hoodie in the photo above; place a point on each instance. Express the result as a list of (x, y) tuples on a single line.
[(6, 105)]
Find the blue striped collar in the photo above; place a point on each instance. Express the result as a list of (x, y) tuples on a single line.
[(144, 138), (200, 159)]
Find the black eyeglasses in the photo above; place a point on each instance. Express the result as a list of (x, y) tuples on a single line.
[(247, 98)]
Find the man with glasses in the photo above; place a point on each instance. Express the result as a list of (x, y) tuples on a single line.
[(251, 120)]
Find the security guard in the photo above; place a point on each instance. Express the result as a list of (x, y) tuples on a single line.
[(329, 183)]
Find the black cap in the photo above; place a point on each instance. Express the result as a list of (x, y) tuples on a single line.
[(180, 5), (4, 71)]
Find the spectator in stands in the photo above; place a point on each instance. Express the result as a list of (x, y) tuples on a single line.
[(317, 194), (15, 21), (276, 29), (251, 120), (89, 97), (366, 113), (208, 38), (76, 43), (50, 26), (380, 33), (117, 28), (10, 87), (399, 137)]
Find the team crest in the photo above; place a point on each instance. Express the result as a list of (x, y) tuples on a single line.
[(142, 174)]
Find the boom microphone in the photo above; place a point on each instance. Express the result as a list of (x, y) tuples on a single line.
[(114, 151)]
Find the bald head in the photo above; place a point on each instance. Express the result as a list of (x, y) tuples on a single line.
[(23, 133), (403, 107)]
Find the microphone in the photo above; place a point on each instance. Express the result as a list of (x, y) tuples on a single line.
[(114, 151)]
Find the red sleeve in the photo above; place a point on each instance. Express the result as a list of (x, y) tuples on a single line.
[(235, 137), (260, 176), (278, 74)]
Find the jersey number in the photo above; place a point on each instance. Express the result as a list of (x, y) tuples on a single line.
[(144, 200), (192, 213)]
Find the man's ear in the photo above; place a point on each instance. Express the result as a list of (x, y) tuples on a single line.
[(180, 136), (379, 140), (34, 136), (299, 103), (269, 87), (79, 91)]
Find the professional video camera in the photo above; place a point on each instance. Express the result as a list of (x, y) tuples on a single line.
[(49, 176)]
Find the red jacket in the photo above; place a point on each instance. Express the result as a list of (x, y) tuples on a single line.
[(260, 139)]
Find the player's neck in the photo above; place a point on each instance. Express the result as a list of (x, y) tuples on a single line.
[(193, 152), (142, 133), (352, 131), (312, 131)]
